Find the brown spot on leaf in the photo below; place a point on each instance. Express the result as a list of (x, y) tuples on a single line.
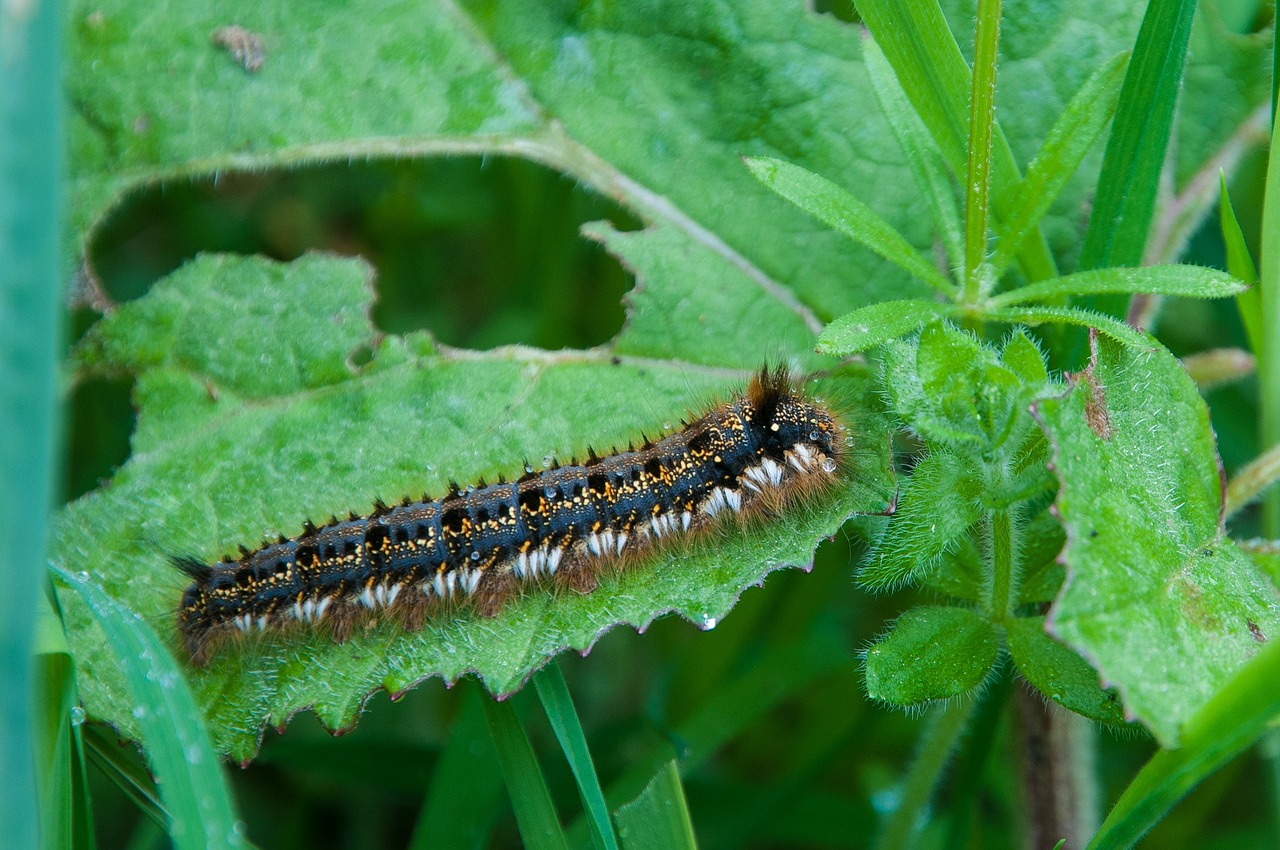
[(1095, 410), (1256, 631), (244, 45)]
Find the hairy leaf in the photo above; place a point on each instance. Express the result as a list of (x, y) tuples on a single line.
[(1163, 604), (933, 652)]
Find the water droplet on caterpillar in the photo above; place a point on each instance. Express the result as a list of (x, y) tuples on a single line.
[(828, 465)]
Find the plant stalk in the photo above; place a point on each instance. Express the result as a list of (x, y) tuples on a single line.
[(1002, 550), (1058, 785), (982, 113)]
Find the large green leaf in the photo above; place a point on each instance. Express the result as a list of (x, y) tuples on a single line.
[(232, 447), (1161, 602)]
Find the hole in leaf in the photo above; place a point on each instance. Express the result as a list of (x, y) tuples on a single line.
[(481, 253)]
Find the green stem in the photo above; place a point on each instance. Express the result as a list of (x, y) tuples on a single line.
[(1002, 564), (938, 738), (982, 113)]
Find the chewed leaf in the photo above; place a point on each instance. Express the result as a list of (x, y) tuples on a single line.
[(1163, 604), (251, 459)]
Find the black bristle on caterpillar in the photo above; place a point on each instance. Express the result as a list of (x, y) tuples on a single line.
[(754, 454)]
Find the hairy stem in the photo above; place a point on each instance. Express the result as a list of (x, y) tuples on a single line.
[(1058, 785), (942, 730), (1002, 551)]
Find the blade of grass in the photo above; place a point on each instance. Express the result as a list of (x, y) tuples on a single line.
[(923, 157), (465, 788), (1240, 264), (30, 212), (128, 774), (982, 114), (832, 205), (1130, 177), (1070, 138), (1231, 721), (190, 776), (929, 65), (1269, 357), (66, 821), (530, 797), (553, 691), (659, 816), (1183, 280)]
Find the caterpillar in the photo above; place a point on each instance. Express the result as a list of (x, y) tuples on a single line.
[(754, 454)]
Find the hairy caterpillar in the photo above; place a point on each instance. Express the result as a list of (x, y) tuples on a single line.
[(754, 454)]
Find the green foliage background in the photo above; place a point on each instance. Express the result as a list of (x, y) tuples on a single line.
[(459, 148)]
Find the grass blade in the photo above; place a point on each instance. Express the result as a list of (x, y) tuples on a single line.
[(30, 213), (466, 786), (923, 157), (832, 205), (190, 776), (530, 797), (1218, 732), (1058, 158), (1240, 264), (558, 704), (1131, 166), (982, 115), (1269, 357), (929, 65), (1182, 280), (659, 816)]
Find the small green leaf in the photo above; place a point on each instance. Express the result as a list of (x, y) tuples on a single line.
[(1058, 158), (189, 772), (1025, 358), (659, 816), (937, 506), (1186, 281), (1240, 264), (868, 327), (1059, 673), (1232, 720), (923, 158), (1158, 598), (931, 653), (1074, 316), (832, 205)]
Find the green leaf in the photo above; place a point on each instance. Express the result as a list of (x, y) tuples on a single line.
[(830, 204), (868, 327), (659, 817), (932, 653), (1269, 356), (937, 506), (1058, 158), (1163, 604), (1059, 673), (923, 157), (1220, 730), (1100, 322), (1186, 281), (190, 776), (1130, 177), (553, 691), (530, 797), (982, 114), (217, 463), (1240, 264)]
